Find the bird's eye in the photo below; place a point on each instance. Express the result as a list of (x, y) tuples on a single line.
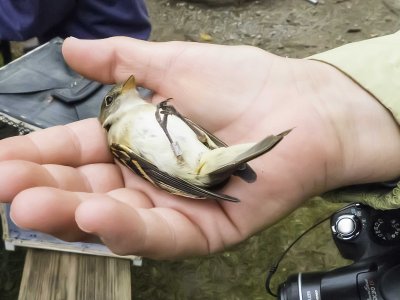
[(108, 100)]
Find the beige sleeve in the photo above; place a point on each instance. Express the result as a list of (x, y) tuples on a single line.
[(375, 65)]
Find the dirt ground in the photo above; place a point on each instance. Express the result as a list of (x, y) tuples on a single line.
[(294, 28)]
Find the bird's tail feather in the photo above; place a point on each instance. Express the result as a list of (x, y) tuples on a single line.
[(235, 157)]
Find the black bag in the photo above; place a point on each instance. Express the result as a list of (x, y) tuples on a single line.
[(41, 90)]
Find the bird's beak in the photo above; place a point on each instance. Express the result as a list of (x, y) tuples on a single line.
[(129, 85), (105, 123), (101, 119)]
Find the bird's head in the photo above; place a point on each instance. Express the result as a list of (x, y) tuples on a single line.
[(117, 101)]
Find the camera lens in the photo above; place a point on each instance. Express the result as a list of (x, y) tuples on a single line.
[(289, 289), (301, 287)]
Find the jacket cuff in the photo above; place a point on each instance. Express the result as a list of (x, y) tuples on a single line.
[(374, 64)]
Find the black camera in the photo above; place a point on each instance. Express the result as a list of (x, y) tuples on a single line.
[(369, 237)]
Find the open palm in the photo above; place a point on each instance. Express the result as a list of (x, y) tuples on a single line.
[(64, 181)]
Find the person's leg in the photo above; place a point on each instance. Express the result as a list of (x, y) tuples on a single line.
[(5, 51)]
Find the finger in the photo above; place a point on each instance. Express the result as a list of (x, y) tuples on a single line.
[(54, 209), (156, 233), (133, 198), (153, 63), (48, 210), (79, 143), (162, 67), (118, 58), (22, 175), (190, 73)]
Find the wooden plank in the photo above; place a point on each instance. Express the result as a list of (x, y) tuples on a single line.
[(57, 275)]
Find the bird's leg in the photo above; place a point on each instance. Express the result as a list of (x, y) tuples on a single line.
[(163, 123), (170, 110)]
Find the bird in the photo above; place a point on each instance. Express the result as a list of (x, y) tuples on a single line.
[(171, 151)]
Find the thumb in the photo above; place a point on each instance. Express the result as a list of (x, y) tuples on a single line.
[(115, 59)]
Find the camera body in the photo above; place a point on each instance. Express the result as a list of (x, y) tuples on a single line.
[(360, 231), (369, 237)]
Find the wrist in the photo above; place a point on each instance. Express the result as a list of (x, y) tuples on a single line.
[(364, 141)]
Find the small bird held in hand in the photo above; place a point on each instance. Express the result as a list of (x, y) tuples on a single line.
[(171, 151)]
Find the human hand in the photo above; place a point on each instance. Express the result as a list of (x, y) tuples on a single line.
[(63, 180)]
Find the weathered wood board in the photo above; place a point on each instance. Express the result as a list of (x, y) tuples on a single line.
[(54, 275)]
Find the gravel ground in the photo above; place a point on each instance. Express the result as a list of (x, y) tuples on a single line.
[(294, 28)]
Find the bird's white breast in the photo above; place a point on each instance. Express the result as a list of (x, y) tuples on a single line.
[(139, 130)]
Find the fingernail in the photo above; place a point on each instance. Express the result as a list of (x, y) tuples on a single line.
[(84, 229), (12, 219)]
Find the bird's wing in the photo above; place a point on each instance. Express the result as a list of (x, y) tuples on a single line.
[(174, 185), (212, 137)]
